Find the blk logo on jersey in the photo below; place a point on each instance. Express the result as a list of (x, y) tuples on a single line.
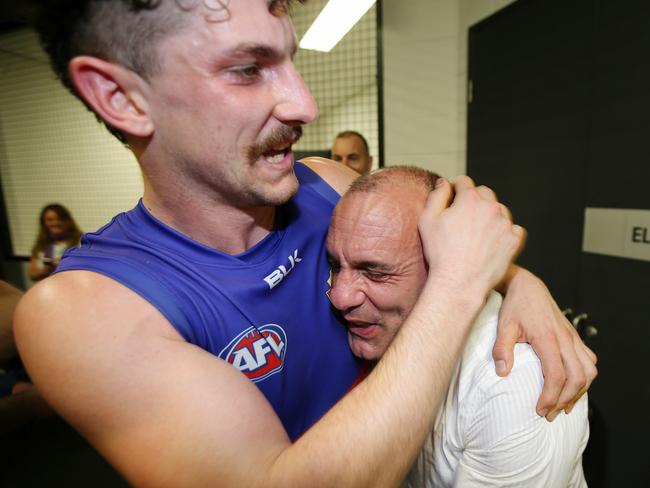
[(258, 352), (281, 271)]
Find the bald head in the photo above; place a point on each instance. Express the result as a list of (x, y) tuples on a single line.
[(373, 245), (391, 197), (406, 178)]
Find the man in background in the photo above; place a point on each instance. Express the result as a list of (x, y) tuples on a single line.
[(351, 149), (485, 434)]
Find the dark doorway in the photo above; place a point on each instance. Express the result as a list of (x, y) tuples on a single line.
[(559, 121)]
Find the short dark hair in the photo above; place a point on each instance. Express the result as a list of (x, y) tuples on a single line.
[(380, 178), (125, 32), (121, 31), (353, 133)]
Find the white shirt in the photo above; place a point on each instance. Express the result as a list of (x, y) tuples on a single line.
[(487, 433)]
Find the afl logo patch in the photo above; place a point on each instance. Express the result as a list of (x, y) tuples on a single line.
[(258, 352)]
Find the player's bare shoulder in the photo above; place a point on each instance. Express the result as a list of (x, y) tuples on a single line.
[(337, 175), (46, 299), (83, 305)]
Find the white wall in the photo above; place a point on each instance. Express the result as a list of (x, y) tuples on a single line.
[(52, 149), (352, 113), (425, 80), (342, 81)]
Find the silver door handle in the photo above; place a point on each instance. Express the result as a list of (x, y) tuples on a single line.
[(589, 330), (579, 318)]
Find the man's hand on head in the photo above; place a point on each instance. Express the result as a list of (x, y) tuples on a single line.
[(529, 314), (472, 242), (475, 237)]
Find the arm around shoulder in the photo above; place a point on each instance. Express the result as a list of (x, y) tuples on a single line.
[(529, 314), (167, 413)]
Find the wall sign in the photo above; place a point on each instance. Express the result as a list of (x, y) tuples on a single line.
[(620, 232)]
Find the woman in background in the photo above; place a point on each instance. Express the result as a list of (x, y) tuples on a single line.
[(58, 231)]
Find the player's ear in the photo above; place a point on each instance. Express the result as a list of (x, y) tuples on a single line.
[(115, 93)]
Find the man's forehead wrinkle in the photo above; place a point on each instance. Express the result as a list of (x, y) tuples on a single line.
[(376, 243), (356, 241), (383, 215), (368, 218), (377, 231), (365, 225)]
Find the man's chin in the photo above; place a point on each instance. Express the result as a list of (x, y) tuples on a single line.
[(363, 349), (277, 193), (284, 191)]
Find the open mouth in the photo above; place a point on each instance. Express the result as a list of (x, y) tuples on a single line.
[(276, 156), (366, 332), (275, 148), (363, 329)]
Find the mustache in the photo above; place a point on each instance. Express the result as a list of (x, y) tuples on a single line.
[(284, 135)]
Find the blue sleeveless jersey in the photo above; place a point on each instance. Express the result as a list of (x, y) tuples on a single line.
[(265, 311)]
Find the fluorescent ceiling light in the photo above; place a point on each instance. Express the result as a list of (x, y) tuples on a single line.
[(334, 21)]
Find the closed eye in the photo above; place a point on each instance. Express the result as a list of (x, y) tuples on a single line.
[(375, 275)]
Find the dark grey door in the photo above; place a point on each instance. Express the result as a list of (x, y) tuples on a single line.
[(559, 120), (615, 292), (528, 126)]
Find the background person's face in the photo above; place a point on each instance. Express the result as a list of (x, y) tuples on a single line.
[(350, 151), (53, 223), (378, 269), (225, 88)]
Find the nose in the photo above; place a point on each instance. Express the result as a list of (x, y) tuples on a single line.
[(294, 104), (346, 292)]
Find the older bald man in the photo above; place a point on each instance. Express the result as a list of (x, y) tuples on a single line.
[(487, 433)]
